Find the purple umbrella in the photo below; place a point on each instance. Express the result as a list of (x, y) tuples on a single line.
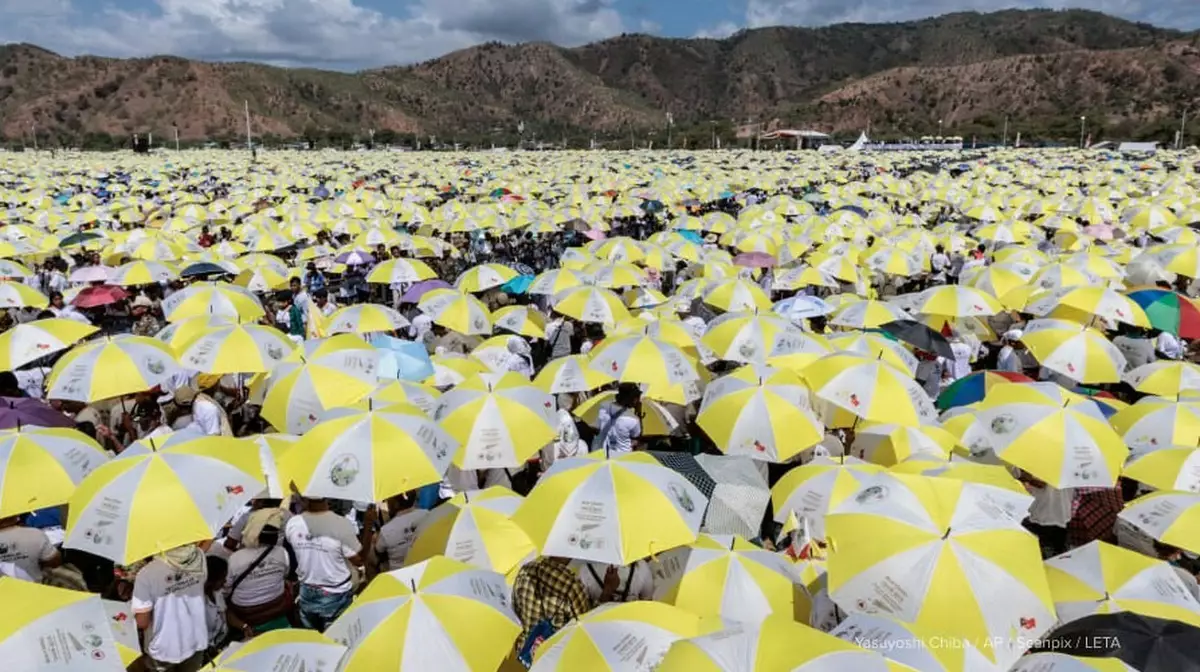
[(755, 260), (28, 412), (355, 258), (419, 289)]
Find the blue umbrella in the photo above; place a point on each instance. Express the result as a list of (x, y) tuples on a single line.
[(405, 360), (802, 307), (518, 285), (691, 235)]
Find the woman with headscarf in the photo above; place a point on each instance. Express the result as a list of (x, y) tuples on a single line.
[(421, 331), (520, 357), (567, 443)]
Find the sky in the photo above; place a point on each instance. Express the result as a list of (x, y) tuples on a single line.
[(356, 34)]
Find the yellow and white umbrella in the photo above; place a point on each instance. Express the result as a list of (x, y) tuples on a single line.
[(162, 493), (1166, 468), (20, 295), (369, 456), (141, 273), (394, 392), (212, 298), (887, 445), (475, 528), (24, 343), (395, 271), (452, 368), (1172, 518), (761, 413), (47, 629), (810, 490), (484, 277), (751, 337), (867, 314), (298, 394), (1078, 352), (774, 644), (613, 511), (572, 373), (499, 421), (40, 467), (1101, 578), (642, 359), (1090, 303), (737, 296), (874, 346), (729, 578), (281, 649), (1156, 423), (617, 637), (241, 348), (1165, 378), (523, 320), (557, 280), (956, 301), (364, 318), (978, 571), (456, 311), (595, 305), (870, 389), (439, 615), (1067, 447), (112, 367), (913, 647)]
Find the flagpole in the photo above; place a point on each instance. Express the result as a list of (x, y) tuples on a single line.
[(249, 142)]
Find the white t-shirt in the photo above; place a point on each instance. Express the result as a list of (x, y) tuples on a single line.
[(625, 428), (637, 581), (264, 583), (322, 542), (26, 548), (1168, 345), (396, 538), (179, 626)]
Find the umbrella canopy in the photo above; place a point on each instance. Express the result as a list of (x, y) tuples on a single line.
[(919, 336), (1143, 642)]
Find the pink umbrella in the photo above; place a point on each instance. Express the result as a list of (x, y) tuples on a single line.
[(755, 260), (99, 295), (595, 234), (1100, 231)]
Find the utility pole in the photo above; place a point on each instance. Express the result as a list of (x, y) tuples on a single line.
[(33, 129), (1004, 142), (176, 138), (670, 129), (249, 141), (1082, 129)]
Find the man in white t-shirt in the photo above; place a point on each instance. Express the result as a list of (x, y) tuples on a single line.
[(396, 537), (326, 545), (28, 549), (169, 605), (620, 422)]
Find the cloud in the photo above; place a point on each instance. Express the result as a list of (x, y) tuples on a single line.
[(326, 33), (1183, 14), (721, 30)]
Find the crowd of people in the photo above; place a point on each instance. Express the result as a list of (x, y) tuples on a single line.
[(816, 266)]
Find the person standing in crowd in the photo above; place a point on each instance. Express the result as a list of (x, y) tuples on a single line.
[(26, 548), (257, 580), (170, 609), (397, 535), (328, 549), (620, 421)]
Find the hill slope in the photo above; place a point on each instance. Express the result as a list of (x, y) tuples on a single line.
[(968, 69)]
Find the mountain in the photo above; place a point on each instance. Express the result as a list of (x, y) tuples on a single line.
[(1042, 68)]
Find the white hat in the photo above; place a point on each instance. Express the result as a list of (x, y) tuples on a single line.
[(1013, 335), (143, 302)]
